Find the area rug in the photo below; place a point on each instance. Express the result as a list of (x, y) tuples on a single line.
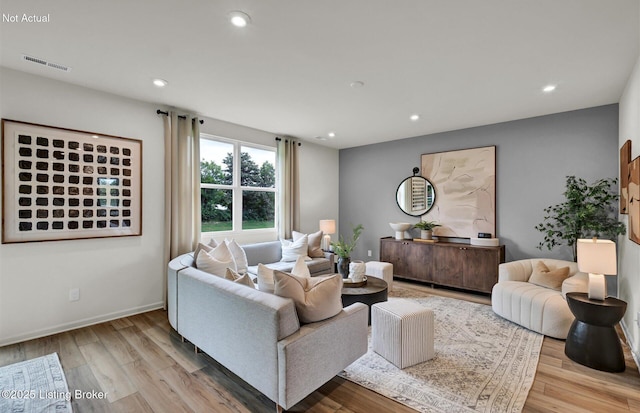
[(36, 385), (483, 363)]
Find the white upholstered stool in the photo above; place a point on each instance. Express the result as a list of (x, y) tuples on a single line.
[(382, 270), (402, 332)]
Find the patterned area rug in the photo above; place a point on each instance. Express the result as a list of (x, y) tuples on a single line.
[(36, 385), (483, 363)]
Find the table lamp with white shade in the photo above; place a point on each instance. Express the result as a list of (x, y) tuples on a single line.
[(328, 227), (598, 258)]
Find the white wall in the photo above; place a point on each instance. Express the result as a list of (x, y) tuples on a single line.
[(629, 252), (318, 186), (116, 276)]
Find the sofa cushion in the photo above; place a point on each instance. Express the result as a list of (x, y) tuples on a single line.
[(316, 265), (316, 298), (544, 277), (291, 250), (314, 242), (216, 261), (243, 279)]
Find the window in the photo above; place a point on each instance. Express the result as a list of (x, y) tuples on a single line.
[(238, 185)]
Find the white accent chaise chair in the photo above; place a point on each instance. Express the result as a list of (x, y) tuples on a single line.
[(537, 308)]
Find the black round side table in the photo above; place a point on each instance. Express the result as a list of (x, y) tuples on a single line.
[(592, 340), (374, 291)]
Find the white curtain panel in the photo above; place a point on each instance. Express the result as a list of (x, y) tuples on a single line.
[(288, 187), (182, 184)]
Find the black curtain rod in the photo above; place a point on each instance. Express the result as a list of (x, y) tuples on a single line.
[(279, 139), (159, 112)]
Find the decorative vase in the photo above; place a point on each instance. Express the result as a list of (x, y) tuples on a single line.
[(426, 233), (343, 266), (356, 270)]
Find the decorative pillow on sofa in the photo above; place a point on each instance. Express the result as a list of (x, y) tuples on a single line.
[(200, 247), (243, 279), (265, 279), (291, 250), (300, 268), (239, 255), (316, 298), (545, 277), (315, 240), (216, 261)]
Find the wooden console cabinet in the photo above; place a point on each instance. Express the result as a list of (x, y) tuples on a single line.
[(463, 266)]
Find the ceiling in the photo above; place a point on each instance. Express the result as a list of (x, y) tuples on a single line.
[(456, 63)]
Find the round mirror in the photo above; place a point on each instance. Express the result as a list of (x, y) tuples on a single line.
[(415, 196)]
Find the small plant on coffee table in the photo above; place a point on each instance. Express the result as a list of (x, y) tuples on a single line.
[(343, 248)]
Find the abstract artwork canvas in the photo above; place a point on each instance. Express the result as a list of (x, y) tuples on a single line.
[(465, 186), (634, 201), (61, 184)]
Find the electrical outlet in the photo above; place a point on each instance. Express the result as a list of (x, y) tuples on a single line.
[(368, 253), (74, 294)]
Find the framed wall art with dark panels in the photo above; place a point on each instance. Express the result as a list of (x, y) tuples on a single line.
[(465, 185), (62, 184)]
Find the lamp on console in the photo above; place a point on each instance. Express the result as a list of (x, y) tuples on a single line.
[(328, 227), (598, 258)]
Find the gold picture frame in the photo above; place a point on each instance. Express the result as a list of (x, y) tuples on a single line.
[(63, 184)]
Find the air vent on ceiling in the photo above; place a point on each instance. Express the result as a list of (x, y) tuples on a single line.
[(45, 63)]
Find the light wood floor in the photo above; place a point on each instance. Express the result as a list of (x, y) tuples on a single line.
[(145, 367)]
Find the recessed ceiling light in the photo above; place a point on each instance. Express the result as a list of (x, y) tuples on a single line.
[(239, 19), (549, 88), (160, 82), (357, 84), (331, 134), (415, 117)]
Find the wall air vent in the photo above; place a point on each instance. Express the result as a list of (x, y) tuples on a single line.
[(45, 63)]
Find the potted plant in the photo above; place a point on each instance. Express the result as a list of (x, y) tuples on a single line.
[(589, 211), (426, 228), (343, 249)]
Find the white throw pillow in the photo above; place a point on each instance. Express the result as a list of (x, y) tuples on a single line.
[(239, 256), (265, 279), (291, 250), (213, 243), (300, 268), (243, 279), (200, 247), (316, 298), (216, 261), (314, 241)]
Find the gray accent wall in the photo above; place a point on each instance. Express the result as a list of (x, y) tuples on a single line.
[(533, 157)]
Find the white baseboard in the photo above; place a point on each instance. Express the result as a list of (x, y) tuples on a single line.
[(632, 345), (80, 323)]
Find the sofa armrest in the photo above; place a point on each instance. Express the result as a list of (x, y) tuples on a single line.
[(579, 283), (515, 271), (318, 351), (331, 257)]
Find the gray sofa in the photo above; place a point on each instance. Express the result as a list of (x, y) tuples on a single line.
[(258, 336), (270, 253)]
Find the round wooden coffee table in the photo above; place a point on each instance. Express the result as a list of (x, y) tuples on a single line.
[(374, 291)]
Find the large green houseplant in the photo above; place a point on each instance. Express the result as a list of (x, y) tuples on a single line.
[(588, 211), (343, 248)]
